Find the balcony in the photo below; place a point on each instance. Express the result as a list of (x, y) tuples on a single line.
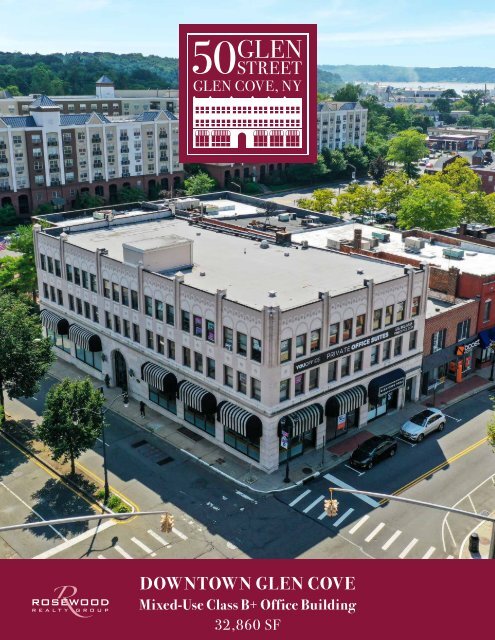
[(97, 152), (124, 138), (126, 174), (163, 170), (97, 164), (3, 160), (98, 178), (3, 145), (36, 140), (54, 167), (4, 173), (5, 187), (125, 162), (55, 182), (124, 149), (163, 135), (96, 139), (53, 156), (52, 143), (67, 153), (163, 145), (163, 158)]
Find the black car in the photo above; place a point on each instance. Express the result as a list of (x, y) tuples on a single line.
[(372, 451)]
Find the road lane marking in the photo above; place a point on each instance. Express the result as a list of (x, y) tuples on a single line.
[(123, 497), (375, 532), (246, 497), (440, 466), (452, 417), (100, 440), (314, 503), (159, 538), (360, 473), (472, 504), (343, 517), (122, 552), (404, 553), (344, 485), (411, 444), (300, 497), (429, 553), (34, 511), (100, 557), (73, 541), (391, 540), (180, 534), (144, 547), (358, 524)]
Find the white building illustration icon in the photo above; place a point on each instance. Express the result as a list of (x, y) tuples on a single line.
[(250, 123)]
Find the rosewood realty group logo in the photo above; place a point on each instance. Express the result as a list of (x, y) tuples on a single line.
[(248, 93), (67, 600)]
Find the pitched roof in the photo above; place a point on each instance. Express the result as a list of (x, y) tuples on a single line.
[(18, 121), (71, 119), (42, 101), (150, 116), (104, 80)]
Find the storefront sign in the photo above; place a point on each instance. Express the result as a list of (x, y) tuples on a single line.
[(351, 347), (467, 348), (284, 440), (391, 386), (341, 421)]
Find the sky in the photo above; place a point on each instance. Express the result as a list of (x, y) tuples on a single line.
[(397, 32)]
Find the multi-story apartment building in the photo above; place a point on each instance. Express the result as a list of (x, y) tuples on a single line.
[(48, 156), (341, 124), (106, 100), (255, 346)]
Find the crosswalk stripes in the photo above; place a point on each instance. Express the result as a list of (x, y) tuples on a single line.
[(429, 553), (179, 533), (375, 531), (159, 538), (299, 497), (343, 517), (405, 551), (144, 547), (318, 500), (123, 553), (358, 524), (391, 540)]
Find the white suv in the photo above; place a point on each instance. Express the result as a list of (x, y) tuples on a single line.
[(423, 423)]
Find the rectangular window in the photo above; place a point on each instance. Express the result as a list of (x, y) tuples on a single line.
[(413, 337), (398, 346), (242, 344), (186, 356), (115, 292), (45, 291), (135, 333), (313, 378), (50, 264), (198, 362), (315, 340), (284, 390), (149, 339), (43, 262), (116, 324), (92, 283), (127, 328), (85, 279), (87, 310), (241, 382), (52, 293), (79, 308), (108, 320), (301, 345), (347, 329), (134, 300), (333, 335), (487, 310), (210, 368), (58, 270), (106, 288), (159, 310), (171, 349), (148, 306), (77, 276), (375, 354), (387, 349), (360, 324), (358, 361), (377, 319), (96, 316), (160, 344), (345, 367), (399, 314), (170, 314), (71, 299), (438, 340), (256, 349), (228, 376), (68, 272), (332, 371), (299, 384), (210, 330), (60, 298), (416, 303), (125, 296), (228, 338), (389, 315), (285, 350), (185, 320), (198, 326), (463, 329)]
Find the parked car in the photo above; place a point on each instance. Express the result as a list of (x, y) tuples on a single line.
[(423, 423), (357, 219), (372, 451)]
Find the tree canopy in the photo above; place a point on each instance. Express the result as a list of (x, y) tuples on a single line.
[(198, 183), (407, 148), (18, 273), (430, 206)]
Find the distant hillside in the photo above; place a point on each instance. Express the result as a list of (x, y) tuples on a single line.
[(76, 73), (386, 73)]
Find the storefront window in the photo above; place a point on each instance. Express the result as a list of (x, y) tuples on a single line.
[(345, 368), (202, 421), (398, 346), (313, 379), (387, 348), (358, 361), (250, 448), (89, 358), (168, 402), (332, 371)]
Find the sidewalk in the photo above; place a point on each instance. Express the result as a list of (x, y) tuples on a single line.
[(484, 531), (311, 464)]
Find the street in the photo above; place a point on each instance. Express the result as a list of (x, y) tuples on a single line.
[(215, 519)]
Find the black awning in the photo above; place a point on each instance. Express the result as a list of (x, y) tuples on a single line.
[(159, 378), (342, 403), (84, 339), (240, 420), (381, 386), (197, 397), (301, 421), (54, 322)]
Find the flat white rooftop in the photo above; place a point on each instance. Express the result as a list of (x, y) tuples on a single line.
[(477, 260), (242, 267)]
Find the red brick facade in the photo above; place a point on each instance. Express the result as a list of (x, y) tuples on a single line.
[(449, 319)]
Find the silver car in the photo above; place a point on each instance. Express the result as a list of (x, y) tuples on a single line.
[(423, 423)]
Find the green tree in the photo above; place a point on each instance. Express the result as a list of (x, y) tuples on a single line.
[(18, 273), (44, 209), (431, 206), (72, 419), (198, 183), (334, 161), (474, 98), (26, 355), (357, 200), (307, 173), (378, 168), (348, 93), (320, 201), (460, 177), (130, 194), (88, 201), (355, 156), (407, 148), (466, 120), (477, 207), (8, 216)]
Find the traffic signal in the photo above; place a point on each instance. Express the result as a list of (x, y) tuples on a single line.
[(331, 507), (167, 522)]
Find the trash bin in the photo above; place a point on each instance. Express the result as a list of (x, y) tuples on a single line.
[(474, 543)]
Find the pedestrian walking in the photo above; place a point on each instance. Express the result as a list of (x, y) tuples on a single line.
[(142, 409)]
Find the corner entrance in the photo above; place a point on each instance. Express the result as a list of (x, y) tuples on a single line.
[(120, 368)]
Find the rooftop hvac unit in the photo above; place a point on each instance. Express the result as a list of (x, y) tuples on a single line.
[(103, 214), (455, 254), (381, 236), (414, 245), (304, 244)]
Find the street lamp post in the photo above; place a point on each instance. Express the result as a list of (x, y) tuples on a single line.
[(492, 347), (237, 185)]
